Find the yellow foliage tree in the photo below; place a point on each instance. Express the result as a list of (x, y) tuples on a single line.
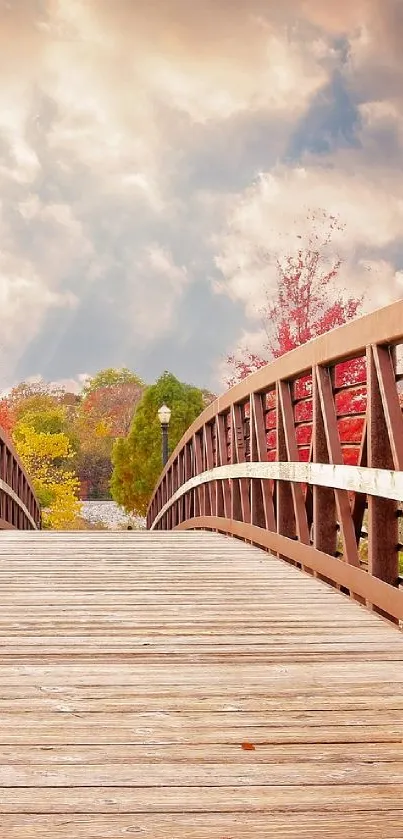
[(45, 457)]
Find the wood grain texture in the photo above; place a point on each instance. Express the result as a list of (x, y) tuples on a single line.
[(135, 667), (384, 825)]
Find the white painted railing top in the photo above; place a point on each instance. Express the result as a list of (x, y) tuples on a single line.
[(381, 483), (10, 492)]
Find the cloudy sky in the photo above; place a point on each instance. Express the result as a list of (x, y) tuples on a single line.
[(149, 149)]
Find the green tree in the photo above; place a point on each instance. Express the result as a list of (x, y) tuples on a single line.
[(137, 460), (110, 377)]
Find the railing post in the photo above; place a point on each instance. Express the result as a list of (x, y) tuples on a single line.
[(286, 525), (382, 519), (324, 503), (210, 489), (198, 461), (187, 476), (263, 513), (223, 460), (327, 437)]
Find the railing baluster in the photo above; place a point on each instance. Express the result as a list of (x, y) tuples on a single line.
[(223, 456), (336, 457), (263, 513), (293, 425), (382, 519), (291, 448), (286, 525), (324, 502), (240, 488), (19, 507)]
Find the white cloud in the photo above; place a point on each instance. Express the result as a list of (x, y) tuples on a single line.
[(69, 385), (380, 118), (268, 218), (250, 341), (31, 285), (74, 385), (160, 284), (99, 107), (24, 164), (120, 92), (284, 73), (24, 298)]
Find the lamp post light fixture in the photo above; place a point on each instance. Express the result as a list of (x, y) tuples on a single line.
[(164, 416)]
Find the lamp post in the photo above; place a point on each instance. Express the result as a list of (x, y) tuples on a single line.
[(164, 416)]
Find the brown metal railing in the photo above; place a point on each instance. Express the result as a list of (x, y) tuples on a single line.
[(19, 508), (305, 459)]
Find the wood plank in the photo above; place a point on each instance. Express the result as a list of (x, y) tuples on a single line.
[(275, 754), (151, 775), (306, 825), (72, 734), (223, 720), (167, 702), (210, 799), (250, 676), (188, 685)]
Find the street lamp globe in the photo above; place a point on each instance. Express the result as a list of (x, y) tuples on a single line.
[(164, 415)]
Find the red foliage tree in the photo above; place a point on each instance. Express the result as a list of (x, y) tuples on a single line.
[(307, 303), (6, 418), (115, 405), (105, 414)]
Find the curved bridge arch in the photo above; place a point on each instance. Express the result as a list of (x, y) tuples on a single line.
[(19, 507), (305, 458), (192, 684)]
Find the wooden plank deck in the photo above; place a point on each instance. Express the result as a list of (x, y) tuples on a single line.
[(138, 670)]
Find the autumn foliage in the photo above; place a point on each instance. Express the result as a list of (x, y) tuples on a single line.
[(66, 441), (6, 419), (113, 406), (105, 413), (306, 303), (46, 456)]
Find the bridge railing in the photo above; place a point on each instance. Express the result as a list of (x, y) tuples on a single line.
[(19, 508), (304, 458)]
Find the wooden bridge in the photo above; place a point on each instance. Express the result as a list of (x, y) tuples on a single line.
[(237, 670)]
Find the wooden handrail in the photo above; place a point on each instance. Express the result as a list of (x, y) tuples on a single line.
[(305, 452), (19, 507)]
